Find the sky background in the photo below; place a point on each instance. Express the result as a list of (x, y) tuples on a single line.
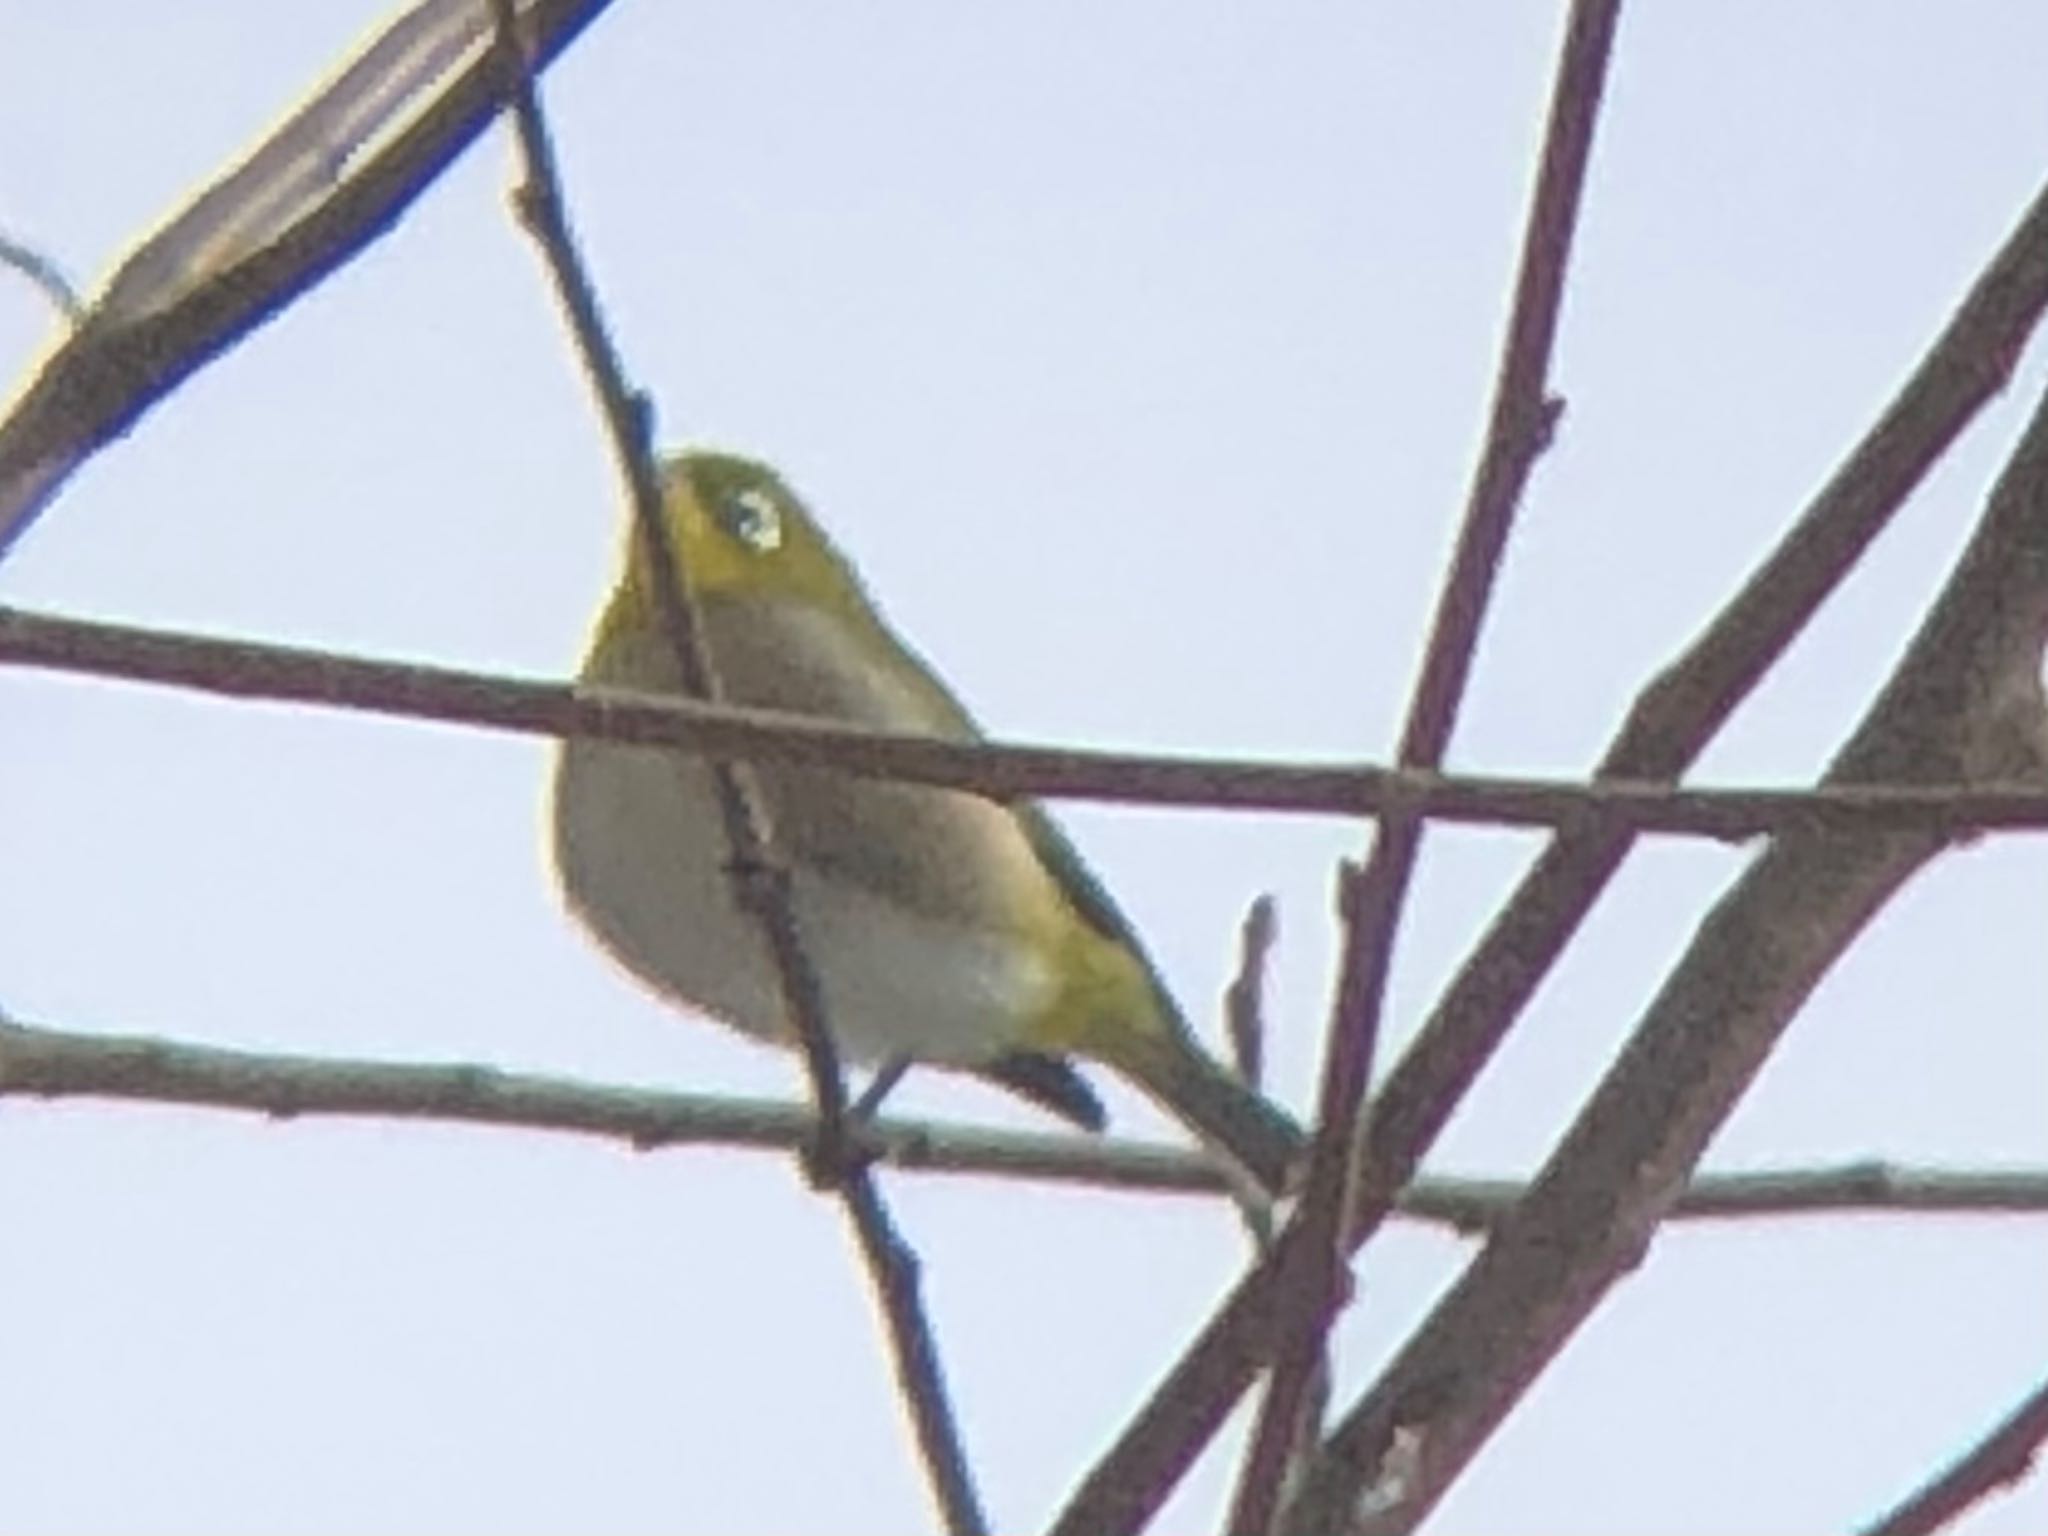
[(1139, 355)]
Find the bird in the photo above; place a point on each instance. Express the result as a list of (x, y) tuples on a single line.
[(946, 929)]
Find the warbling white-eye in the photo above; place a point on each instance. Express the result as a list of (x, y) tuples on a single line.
[(945, 928)]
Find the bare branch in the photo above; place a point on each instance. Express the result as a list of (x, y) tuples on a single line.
[(157, 325), (44, 273), (1673, 718), (1521, 423), (760, 881), (43, 1063), (1966, 701), (264, 672), (2003, 1457), (1671, 722), (920, 1375), (1244, 1001), (1874, 1188), (332, 178)]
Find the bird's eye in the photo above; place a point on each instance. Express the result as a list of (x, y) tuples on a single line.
[(752, 517)]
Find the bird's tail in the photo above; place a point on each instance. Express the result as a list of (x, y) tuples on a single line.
[(1252, 1133)]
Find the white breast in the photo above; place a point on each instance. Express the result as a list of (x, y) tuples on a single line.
[(640, 852)]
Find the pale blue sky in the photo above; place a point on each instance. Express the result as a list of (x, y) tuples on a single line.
[(1138, 354)]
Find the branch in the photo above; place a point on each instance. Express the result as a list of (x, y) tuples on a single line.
[(1522, 421), (38, 1062), (1874, 1188), (1244, 1000), (1670, 724), (759, 879), (1966, 701), (52, 1064), (2004, 1456), (265, 672), (1682, 709), (44, 273), (301, 206)]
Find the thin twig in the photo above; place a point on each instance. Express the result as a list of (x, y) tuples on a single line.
[(1868, 1188), (113, 368), (44, 273), (1672, 720), (1311, 1268), (920, 1375), (2002, 1457), (1967, 365), (1283, 1437), (52, 1064), (1244, 1001), (1308, 1257), (264, 672), (760, 880)]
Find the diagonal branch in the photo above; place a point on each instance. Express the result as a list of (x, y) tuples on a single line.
[(1522, 420), (265, 672), (244, 249), (760, 881), (1966, 702), (1672, 721), (2004, 1456)]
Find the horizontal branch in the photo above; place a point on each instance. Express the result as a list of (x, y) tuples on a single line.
[(281, 674), (37, 1062)]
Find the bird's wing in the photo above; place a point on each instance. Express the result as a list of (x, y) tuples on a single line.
[(1086, 893), (1077, 882)]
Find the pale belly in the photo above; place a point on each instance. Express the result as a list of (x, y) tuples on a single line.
[(640, 851)]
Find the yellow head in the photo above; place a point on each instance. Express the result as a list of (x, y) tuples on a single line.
[(739, 529)]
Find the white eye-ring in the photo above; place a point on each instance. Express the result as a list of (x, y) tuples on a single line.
[(752, 517)]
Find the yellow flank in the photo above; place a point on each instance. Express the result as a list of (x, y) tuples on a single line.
[(1106, 1004)]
